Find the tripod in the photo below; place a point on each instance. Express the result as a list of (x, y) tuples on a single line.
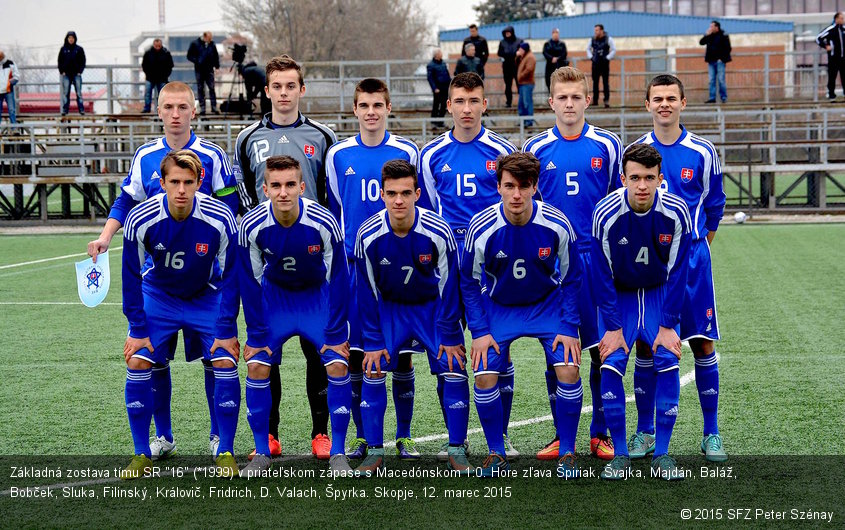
[(240, 106)]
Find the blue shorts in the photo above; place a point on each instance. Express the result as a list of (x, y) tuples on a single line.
[(641, 311), (288, 313), (698, 315), (587, 308), (508, 323), (194, 348), (401, 323), (167, 314)]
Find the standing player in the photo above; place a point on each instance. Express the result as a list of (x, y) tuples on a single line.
[(693, 172), (284, 131), (176, 110), (579, 165), (189, 238), (353, 173), (640, 245), (294, 282), (458, 170), (520, 277), (406, 262)]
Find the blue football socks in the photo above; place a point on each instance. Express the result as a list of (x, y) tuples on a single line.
[(645, 379), (488, 403), (339, 397), (139, 407), (403, 400), (570, 397), (668, 392), (258, 401), (707, 381), (162, 391), (373, 406), (227, 404)]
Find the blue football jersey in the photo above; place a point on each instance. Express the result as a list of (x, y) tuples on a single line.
[(692, 171), (418, 268), (575, 174), (353, 172), (143, 180), (519, 265), (188, 258), (634, 251), (305, 255), (458, 179)]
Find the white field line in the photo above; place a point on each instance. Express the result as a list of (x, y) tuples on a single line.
[(685, 380), (13, 265)]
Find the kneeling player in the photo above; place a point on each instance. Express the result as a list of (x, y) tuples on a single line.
[(641, 239), (406, 261), (513, 288), (190, 238), (293, 282)]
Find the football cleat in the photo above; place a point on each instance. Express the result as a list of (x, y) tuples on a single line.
[(665, 467), (711, 448), (493, 465), (275, 448), (340, 464), (567, 467), (617, 469), (510, 452), (160, 448), (457, 460), (406, 449), (357, 449), (213, 444), (256, 466), (640, 444), (443, 454), (550, 451), (138, 467), (601, 447), (226, 465), (321, 447), (371, 464)]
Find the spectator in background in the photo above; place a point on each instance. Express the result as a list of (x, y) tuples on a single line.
[(832, 39), (469, 62), (508, 47), (438, 79), (157, 65), (717, 55), (481, 49), (526, 64), (71, 66), (9, 77), (255, 79), (601, 50), (203, 53), (555, 53)]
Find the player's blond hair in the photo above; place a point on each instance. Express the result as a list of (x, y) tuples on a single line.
[(184, 158), (174, 87), (568, 74)]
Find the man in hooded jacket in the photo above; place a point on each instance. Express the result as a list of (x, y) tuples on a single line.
[(508, 47), (71, 65)]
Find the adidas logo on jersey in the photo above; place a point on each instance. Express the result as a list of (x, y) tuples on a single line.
[(135, 405), (639, 391), (501, 255), (160, 247), (608, 395), (349, 171), (672, 412), (384, 261), (709, 392), (445, 168), (341, 410), (228, 404), (551, 165), (155, 176), (623, 241), (407, 395), (283, 140), (365, 405), (458, 405)]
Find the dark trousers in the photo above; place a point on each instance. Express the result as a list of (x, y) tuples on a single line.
[(509, 73), (601, 70), (835, 66), (438, 105), (316, 383), (206, 79)]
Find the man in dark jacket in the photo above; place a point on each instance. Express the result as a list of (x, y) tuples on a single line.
[(717, 55), (438, 76), (601, 50), (555, 53), (469, 62), (71, 66), (481, 49), (157, 65), (832, 39), (508, 47), (203, 53)]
